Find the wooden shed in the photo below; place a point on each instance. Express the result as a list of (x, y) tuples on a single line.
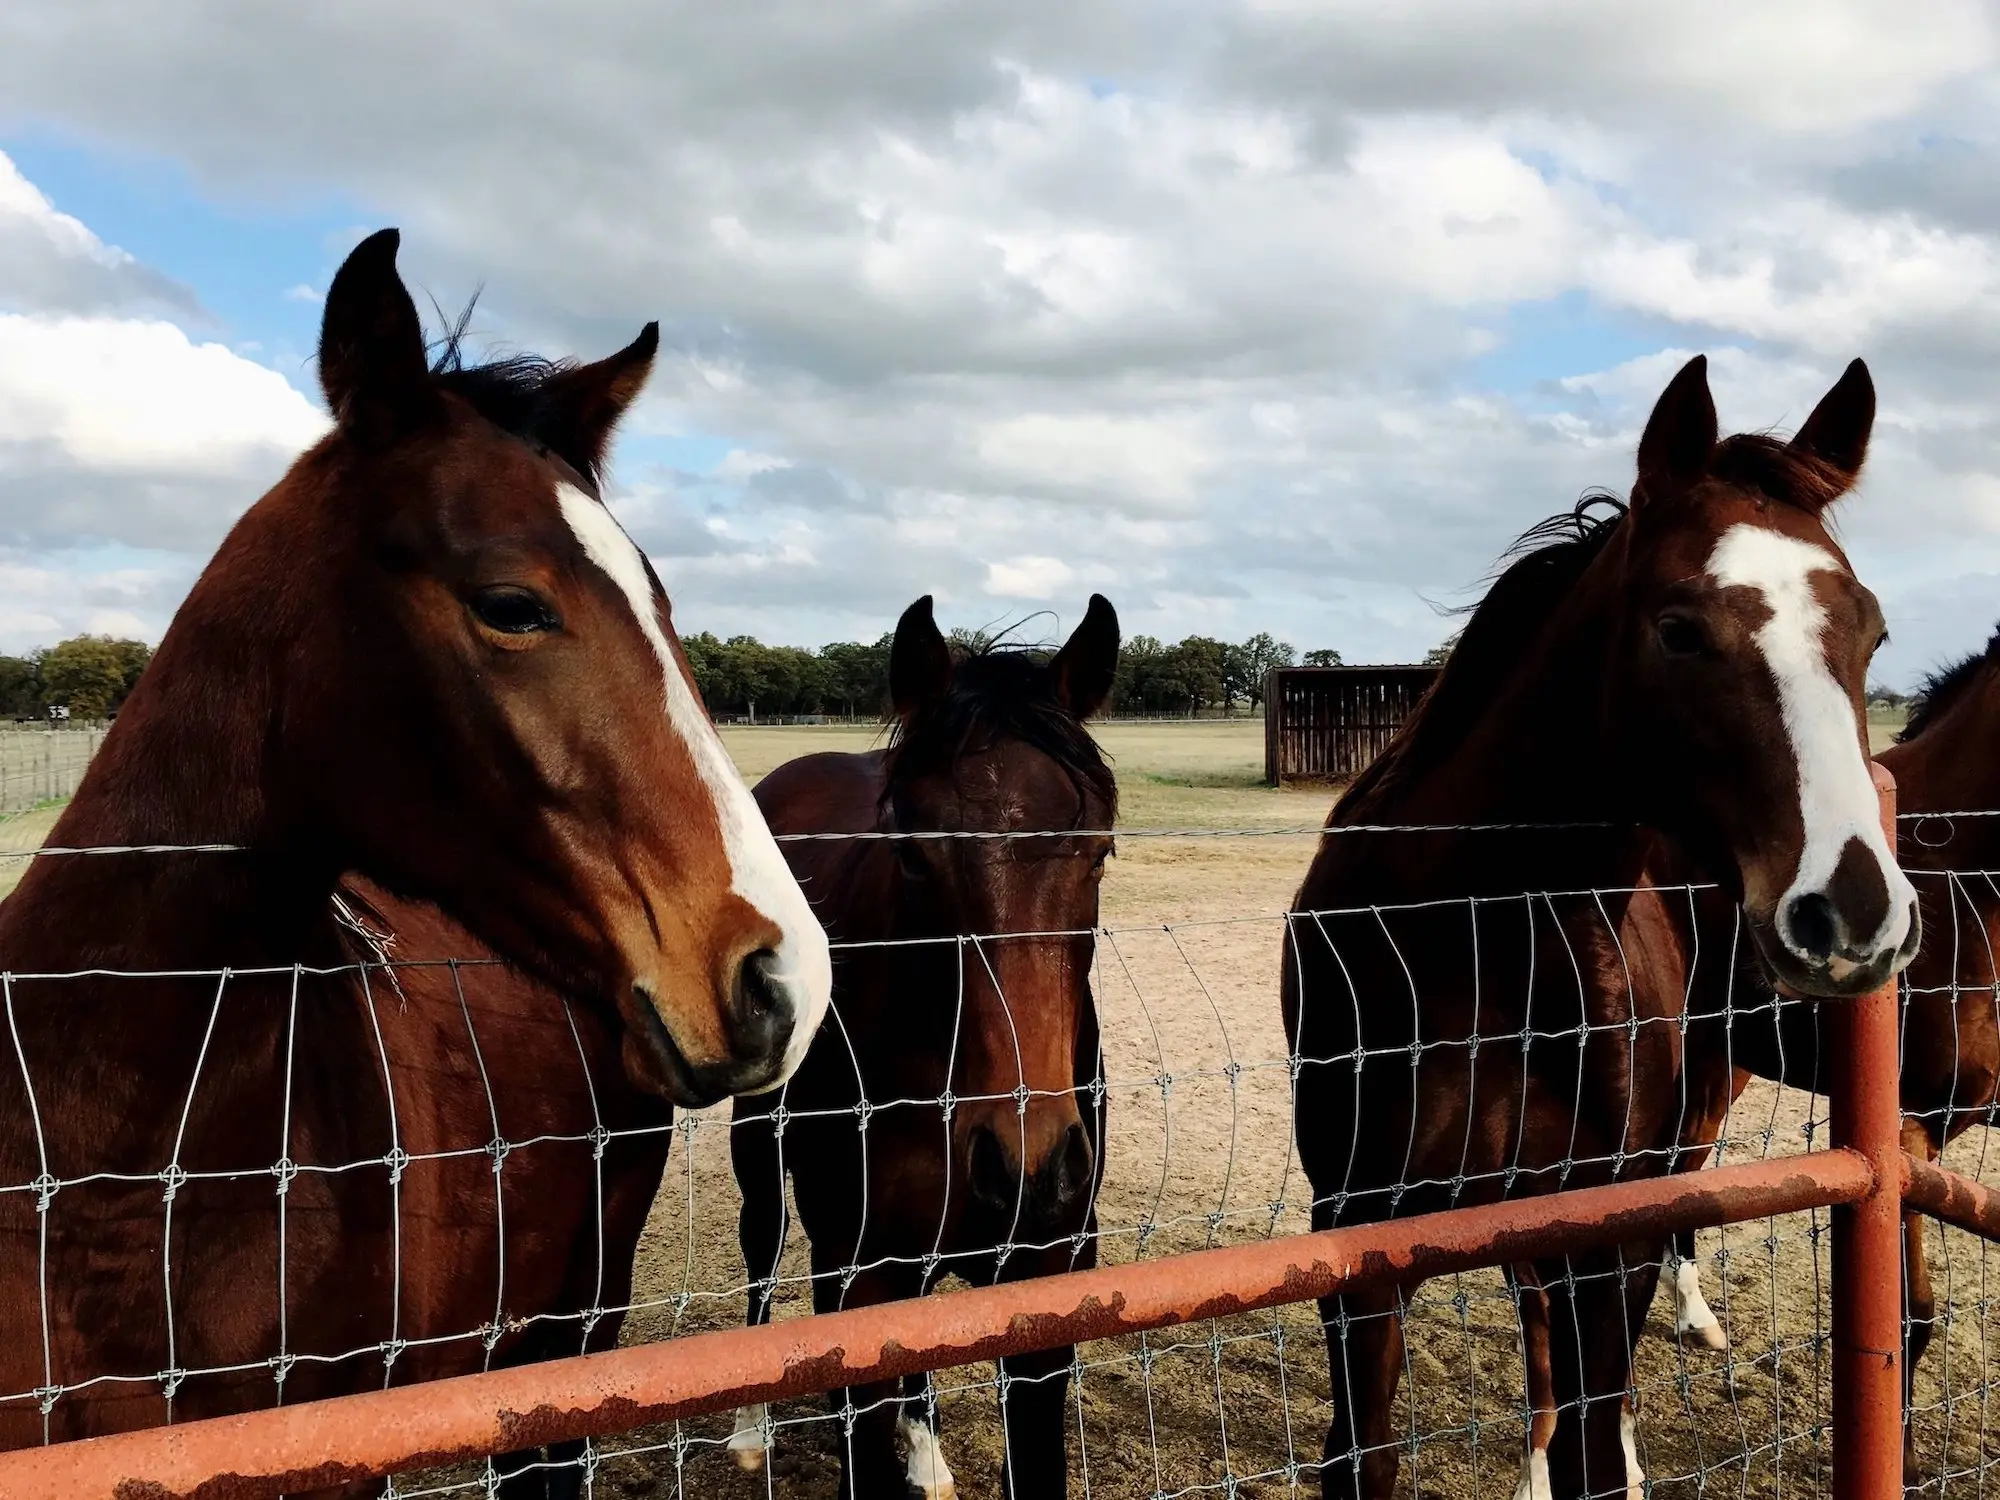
[(1327, 723)]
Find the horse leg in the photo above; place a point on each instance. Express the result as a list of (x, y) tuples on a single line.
[(760, 1231), (925, 1471), (1919, 1302), (872, 1414), (1364, 1352), (1034, 1416), (1693, 1317), (1532, 1305), (1594, 1320), (552, 1473)]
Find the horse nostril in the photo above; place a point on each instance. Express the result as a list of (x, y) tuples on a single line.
[(760, 1008), (1074, 1164), (1811, 927), (992, 1180)]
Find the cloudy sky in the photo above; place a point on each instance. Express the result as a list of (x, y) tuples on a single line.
[(1280, 315)]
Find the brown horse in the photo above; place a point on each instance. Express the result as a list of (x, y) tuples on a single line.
[(1679, 685), (1944, 762), (961, 974), (431, 658)]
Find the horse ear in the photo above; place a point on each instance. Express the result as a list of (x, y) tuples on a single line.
[(1837, 431), (371, 347), (580, 407), (1087, 665), (1680, 435), (919, 661)]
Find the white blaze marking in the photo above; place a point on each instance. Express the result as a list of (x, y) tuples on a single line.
[(758, 872), (1628, 1435), (926, 1471), (746, 1443), (1836, 797)]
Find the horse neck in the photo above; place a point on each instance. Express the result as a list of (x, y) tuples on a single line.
[(186, 763), (1541, 753), (1953, 767)]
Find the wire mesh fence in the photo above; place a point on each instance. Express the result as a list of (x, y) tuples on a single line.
[(540, 1205)]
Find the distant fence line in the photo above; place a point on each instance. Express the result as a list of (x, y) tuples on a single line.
[(43, 762), (1246, 716)]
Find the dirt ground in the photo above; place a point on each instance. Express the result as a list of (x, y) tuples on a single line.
[(1187, 983)]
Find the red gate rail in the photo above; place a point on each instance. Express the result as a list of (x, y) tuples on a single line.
[(347, 1438), (1865, 1111), (1946, 1195)]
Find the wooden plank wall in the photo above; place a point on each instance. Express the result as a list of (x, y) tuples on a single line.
[(1327, 723)]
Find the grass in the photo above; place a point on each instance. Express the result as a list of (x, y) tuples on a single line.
[(1208, 773)]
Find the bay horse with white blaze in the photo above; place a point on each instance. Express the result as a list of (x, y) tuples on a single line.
[(429, 669), (949, 1118), (1678, 683), (1946, 760)]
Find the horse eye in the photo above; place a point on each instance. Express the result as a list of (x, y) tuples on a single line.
[(513, 610), (1681, 636)]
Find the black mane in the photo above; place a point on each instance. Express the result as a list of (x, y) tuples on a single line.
[(996, 694), (1548, 559), (506, 390), (1945, 687)]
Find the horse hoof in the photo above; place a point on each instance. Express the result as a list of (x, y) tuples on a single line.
[(746, 1443), (1708, 1335)]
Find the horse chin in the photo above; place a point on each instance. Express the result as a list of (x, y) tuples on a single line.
[(654, 1061), (1836, 978)]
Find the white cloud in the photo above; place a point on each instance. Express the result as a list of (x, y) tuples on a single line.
[(739, 464), (1240, 313), (50, 261), (127, 430), (1028, 577)]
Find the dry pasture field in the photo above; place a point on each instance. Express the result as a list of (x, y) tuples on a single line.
[(1187, 986)]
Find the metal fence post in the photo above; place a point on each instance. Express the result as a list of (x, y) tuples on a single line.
[(1868, 1240)]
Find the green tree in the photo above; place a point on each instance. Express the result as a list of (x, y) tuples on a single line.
[(1136, 687), (1437, 656), (20, 687), (1322, 658), (1247, 664), (1192, 673), (92, 674), (857, 675)]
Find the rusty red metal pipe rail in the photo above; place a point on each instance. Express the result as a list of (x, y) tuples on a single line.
[(1951, 1198), (1865, 1111), (350, 1438)]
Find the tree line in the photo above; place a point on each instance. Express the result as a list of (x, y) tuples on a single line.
[(90, 675), (742, 676)]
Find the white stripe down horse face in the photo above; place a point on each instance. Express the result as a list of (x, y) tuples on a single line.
[(1832, 912), (785, 974)]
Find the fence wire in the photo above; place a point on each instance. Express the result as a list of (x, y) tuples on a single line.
[(1196, 1084)]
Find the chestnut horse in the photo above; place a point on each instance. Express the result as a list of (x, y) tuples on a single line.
[(1946, 760), (431, 658), (961, 970), (1679, 683)]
